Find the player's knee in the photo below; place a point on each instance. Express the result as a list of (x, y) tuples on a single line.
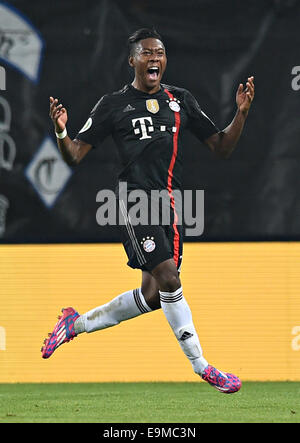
[(166, 276), (169, 282)]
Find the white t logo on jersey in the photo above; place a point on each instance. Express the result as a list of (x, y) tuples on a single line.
[(143, 128)]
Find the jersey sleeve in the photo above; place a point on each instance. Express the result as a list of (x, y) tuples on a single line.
[(98, 125), (198, 122)]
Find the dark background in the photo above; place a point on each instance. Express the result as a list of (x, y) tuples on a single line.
[(212, 46)]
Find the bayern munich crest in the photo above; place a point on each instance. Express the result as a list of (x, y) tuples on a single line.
[(174, 104), (148, 244)]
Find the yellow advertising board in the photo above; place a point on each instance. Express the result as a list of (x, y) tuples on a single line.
[(245, 299)]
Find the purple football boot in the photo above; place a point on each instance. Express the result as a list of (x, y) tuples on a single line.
[(63, 332), (222, 381)]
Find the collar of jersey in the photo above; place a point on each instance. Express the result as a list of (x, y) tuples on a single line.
[(139, 92)]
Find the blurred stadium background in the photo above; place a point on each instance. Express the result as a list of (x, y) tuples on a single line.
[(241, 276)]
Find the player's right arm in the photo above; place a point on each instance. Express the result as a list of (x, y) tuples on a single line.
[(72, 151)]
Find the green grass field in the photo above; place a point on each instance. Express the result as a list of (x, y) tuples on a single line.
[(149, 403)]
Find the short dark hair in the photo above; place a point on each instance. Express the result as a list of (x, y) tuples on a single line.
[(141, 34)]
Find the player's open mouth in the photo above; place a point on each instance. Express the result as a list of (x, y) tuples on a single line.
[(153, 73)]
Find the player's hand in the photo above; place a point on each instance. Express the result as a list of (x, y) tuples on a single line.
[(244, 97), (58, 115)]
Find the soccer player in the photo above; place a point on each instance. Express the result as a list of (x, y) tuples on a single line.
[(147, 119)]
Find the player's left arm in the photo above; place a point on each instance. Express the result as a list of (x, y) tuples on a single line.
[(224, 142)]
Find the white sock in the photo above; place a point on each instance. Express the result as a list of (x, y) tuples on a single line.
[(179, 316), (128, 305)]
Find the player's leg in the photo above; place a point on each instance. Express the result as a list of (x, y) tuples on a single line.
[(179, 316), (125, 306), (129, 304), (178, 313)]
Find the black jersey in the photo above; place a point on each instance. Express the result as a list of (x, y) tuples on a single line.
[(147, 130)]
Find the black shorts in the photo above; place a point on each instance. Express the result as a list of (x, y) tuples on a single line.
[(149, 245)]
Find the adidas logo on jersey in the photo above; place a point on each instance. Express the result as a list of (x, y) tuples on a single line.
[(128, 108)]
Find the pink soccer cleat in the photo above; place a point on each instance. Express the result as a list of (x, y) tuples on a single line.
[(63, 332), (223, 382)]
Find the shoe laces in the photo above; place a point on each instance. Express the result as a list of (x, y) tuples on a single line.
[(215, 376)]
